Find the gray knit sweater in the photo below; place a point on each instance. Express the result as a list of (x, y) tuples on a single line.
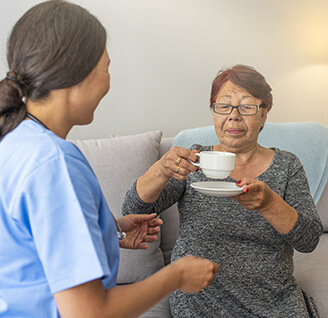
[(256, 262)]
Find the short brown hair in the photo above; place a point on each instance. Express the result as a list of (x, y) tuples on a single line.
[(246, 77)]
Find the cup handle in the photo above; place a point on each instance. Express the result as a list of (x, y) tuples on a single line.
[(196, 164)]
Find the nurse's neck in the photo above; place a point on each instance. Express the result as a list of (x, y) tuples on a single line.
[(53, 112)]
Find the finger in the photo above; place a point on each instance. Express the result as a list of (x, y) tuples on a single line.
[(245, 189), (184, 153), (153, 230), (184, 168), (244, 181), (177, 162), (216, 267), (177, 169), (149, 217), (155, 222), (179, 173), (188, 166), (150, 238), (142, 246), (139, 218), (252, 187)]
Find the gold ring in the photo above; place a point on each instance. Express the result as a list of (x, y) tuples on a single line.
[(177, 169), (178, 161)]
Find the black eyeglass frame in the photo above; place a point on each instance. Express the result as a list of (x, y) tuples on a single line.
[(237, 107)]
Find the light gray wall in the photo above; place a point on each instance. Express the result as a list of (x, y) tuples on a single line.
[(165, 54)]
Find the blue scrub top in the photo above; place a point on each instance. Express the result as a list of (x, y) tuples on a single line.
[(56, 230)]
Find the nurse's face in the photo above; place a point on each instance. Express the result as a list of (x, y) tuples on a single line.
[(91, 90)]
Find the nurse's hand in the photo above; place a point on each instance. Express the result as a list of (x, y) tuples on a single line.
[(140, 229)]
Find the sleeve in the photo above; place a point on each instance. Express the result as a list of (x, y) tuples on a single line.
[(305, 234), (61, 199), (171, 194)]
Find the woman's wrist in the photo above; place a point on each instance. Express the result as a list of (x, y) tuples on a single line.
[(150, 185), (279, 214)]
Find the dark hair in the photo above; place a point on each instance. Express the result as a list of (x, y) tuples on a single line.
[(246, 77), (54, 45)]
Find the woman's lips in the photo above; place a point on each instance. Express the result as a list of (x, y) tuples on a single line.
[(234, 131)]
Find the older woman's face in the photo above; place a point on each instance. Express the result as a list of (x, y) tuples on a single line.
[(238, 133)]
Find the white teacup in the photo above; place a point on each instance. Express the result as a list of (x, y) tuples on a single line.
[(216, 164)]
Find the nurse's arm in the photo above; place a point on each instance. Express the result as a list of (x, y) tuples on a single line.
[(189, 274)]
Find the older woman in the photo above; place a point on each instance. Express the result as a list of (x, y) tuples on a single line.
[(252, 236)]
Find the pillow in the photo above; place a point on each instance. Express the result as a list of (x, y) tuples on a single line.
[(117, 163)]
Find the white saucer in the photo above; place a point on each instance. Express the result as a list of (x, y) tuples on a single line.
[(217, 189)]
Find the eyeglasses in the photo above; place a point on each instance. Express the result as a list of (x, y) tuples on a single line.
[(226, 109)]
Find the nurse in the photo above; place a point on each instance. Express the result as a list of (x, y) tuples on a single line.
[(59, 244)]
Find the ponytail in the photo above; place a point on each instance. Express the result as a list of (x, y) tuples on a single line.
[(12, 105)]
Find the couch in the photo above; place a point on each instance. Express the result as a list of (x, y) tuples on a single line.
[(119, 160)]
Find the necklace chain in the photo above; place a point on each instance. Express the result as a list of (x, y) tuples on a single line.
[(32, 117)]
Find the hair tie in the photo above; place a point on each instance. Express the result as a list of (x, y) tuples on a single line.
[(19, 83)]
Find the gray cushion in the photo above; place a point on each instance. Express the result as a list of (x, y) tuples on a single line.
[(118, 162), (311, 271), (165, 146), (169, 231), (160, 310)]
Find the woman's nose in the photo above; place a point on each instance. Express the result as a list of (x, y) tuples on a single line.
[(234, 115)]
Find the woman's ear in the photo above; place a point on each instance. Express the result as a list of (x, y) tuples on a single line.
[(264, 116), (264, 113)]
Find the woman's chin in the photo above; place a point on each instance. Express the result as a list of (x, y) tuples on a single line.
[(85, 121)]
